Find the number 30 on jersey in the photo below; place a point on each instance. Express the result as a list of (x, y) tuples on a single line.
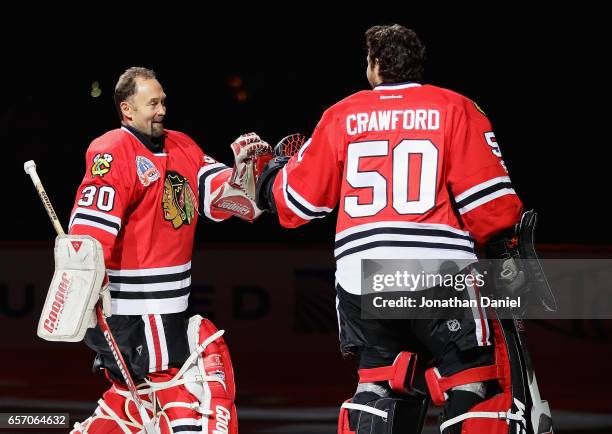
[(105, 197)]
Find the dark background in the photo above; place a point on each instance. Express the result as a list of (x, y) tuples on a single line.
[(526, 69), (538, 74)]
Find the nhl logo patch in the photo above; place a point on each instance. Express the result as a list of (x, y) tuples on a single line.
[(147, 172), (453, 325)]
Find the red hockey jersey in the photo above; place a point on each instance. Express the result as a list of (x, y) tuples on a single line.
[(417, 172), (143, 207)]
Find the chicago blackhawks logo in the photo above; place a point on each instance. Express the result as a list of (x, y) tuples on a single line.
[(101, 164), (147, 172), (178, 201)]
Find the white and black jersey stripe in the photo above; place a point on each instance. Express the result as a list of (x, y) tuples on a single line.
[(97, 219), (483, 193), (401, 234), (300, 206), (160, 290), (187, 426), (205, 176), (436, 244)]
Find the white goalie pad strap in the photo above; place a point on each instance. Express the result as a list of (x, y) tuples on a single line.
[(191, 406), (113, 416), (146, 405), (190, 376), (83, 427), (75, 289), (366, 408), (504, 415)]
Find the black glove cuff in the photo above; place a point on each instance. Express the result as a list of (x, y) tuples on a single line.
[(263, 191)]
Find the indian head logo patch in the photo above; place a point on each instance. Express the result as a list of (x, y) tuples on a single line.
[(178, 201), (147, 172)]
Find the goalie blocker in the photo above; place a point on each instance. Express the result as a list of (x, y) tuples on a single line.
[(79, 281)]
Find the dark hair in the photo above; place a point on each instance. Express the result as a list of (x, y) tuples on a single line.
[(399, 52), (126, 85)]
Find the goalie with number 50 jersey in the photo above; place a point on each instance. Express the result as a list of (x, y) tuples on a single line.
[(417, 174)]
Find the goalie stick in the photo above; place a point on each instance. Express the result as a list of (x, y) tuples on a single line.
[(30, 169)]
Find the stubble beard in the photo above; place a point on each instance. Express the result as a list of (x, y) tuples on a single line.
[(157, 129)]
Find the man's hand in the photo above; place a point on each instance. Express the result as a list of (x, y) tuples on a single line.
[(237, 196)]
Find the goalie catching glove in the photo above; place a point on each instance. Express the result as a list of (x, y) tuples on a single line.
[(79, 281), (237, 196), (283, 151)]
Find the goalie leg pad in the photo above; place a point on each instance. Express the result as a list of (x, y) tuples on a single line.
[(498, 414), (216, 391), (197, 398), (115, 414), (374, 410), (368, 413), (200, 396), (399, 374)]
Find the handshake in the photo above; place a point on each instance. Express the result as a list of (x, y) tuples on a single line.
[(255, 161)]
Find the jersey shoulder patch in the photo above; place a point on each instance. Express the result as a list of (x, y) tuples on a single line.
[(106, 152)]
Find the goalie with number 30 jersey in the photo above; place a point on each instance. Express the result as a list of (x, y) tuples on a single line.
[(140, 197)]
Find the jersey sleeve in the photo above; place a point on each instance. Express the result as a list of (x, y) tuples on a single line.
[(210, 177), (478, 178), (103, 196), (308, 187)]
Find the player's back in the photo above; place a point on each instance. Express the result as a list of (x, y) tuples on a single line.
[(407, 152), (416, 171), (395, 144)]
